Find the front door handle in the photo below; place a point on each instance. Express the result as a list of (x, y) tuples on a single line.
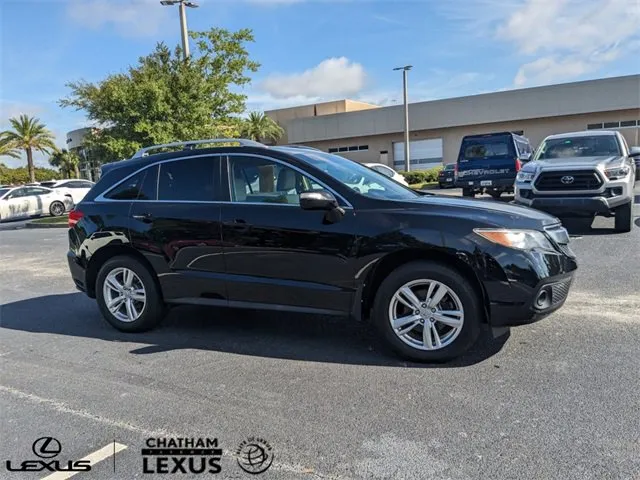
[(144, 217)]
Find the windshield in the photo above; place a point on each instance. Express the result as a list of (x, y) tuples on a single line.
[(362, 179), (568, 147), (3, 191)]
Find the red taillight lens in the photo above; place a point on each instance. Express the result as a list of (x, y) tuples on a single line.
[(518, 164), (74, 217)]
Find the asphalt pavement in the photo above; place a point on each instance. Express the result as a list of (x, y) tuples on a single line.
[(554, 400)]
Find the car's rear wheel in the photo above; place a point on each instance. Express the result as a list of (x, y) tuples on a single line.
[(495, 194), (426, 311), (57, 209), (624, 217), (128, 295), (440, 185), (467, 192)]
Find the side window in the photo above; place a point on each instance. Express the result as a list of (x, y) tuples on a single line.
[(141, 186), (37, 191), (20, 192), (386, 171), (189, 179), (86, 185), (259, 180)]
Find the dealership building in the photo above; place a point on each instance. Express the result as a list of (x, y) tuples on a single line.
[(368, 133)]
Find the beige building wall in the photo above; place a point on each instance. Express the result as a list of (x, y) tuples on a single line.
[(535, 130)]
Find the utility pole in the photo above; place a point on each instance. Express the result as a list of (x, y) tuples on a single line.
[(184, 32), (407, 153)]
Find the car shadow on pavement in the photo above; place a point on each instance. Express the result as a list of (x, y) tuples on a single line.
[(243, 332)]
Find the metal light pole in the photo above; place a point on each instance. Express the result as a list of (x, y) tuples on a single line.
[(183, 21), (407, 153)]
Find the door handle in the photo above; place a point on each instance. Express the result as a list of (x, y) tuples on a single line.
[(145, 217)]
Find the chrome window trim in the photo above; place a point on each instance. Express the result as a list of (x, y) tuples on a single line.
[(347, 204)]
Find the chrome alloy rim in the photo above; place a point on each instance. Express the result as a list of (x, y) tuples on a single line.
[(58, 209), (426, 314), (124, 294)]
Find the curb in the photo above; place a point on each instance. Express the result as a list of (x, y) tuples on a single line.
[(46, 225)]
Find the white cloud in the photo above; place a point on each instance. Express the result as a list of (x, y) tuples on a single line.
[(128, 17), (333, 77)]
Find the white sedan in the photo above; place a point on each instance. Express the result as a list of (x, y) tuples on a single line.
[(75, 188), (28, 201), (389, 172)]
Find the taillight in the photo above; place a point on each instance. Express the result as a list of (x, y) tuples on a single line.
[(455, 170), (74, 217), (518, 164)]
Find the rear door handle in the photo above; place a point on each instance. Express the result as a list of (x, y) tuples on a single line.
[(145, 217)]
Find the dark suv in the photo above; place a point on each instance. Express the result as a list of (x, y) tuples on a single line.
[(282, 228)]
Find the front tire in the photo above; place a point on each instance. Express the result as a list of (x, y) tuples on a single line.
[(427, 312), (57, 209), (624, 218), (128, 296)]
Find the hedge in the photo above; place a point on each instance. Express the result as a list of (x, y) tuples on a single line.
[(421, 176)]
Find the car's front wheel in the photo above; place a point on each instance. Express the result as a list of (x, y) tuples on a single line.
[(128, 295), (57, 209), (426, 311), (624, 218)]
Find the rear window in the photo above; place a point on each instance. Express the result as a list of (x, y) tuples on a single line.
[(479, 148), (451, 166), (190, 179)]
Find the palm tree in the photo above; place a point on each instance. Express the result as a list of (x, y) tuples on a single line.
[(67, 162), (7, 148), (29, 134), (260, 127)]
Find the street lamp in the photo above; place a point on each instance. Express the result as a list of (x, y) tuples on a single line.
[(183, 21), (407, 162)]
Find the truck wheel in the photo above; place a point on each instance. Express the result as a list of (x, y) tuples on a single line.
[(467, 192), (427, 312), (495, 194), (624, 218)]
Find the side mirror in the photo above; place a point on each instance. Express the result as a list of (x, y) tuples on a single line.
[(318, 200), (634, 152)]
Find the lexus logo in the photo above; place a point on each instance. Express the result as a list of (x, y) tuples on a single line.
[(567, 179), (46, 447)]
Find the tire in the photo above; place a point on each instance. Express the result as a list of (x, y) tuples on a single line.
[(152, 309), (624, 218), (495, 194), (440, 185), (386, 307), (57, 209), (467, 192)]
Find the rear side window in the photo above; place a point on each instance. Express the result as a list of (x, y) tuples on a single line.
[(190, 179), (141, 186), (479, 148)]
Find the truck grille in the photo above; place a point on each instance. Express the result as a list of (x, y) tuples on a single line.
[(560, 180)]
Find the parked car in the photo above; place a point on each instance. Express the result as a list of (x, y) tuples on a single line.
[(489, 163), (29, 201), (446, 176), (76, 188), (194, 227), (581, 174), (634, 152), (388, 171)]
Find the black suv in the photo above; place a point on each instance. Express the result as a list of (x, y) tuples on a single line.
[(236, 223)]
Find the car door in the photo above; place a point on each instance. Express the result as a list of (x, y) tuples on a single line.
[(39, 200), (177, 227), (277, 254), (16, 204)]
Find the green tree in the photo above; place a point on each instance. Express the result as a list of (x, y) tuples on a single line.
[(7, 148), (68, 163), (16, 176), (165, 98), (260, 127), (29, 134)]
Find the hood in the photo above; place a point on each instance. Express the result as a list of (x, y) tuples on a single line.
[(601, 161), (488, 211)]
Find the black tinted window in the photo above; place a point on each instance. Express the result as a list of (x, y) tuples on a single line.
[(190, 179), (141, 186), (473, 148)]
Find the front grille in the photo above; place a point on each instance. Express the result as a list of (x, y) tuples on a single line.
[(559, 292), (561, 180)]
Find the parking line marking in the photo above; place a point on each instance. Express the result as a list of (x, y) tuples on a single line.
[(93, 458)]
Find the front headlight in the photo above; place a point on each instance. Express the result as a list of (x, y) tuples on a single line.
[(523, 176), (616, 173), (520, 239)]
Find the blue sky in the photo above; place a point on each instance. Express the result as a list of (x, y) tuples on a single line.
[(320, 50)]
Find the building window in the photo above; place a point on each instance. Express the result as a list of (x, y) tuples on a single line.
[(363, 147), (612, 125), (594, 126), (629, 123), (343, 149), (333, 150), (350, 148)]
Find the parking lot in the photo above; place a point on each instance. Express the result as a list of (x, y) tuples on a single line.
[(557, 399)]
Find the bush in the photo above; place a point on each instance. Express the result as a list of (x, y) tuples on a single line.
[(421, 176)]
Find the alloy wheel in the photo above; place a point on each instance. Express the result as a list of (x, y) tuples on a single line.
[(426, 314), (57, 209), (124, 294)]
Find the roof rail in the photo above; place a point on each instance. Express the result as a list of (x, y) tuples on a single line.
[(302, 147), (188, 145)]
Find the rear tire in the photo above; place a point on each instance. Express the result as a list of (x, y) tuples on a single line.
[(495, 195), (624, 218), (463, 298), (57, 209), (141, 307), (441, 185), (467, 192)]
